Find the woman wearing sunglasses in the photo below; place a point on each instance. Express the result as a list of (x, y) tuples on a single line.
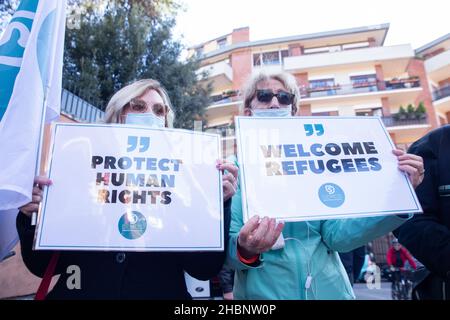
[(297, 260), (126, 275)]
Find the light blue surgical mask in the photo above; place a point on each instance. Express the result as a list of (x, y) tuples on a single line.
[(281, 112), (145, 119)]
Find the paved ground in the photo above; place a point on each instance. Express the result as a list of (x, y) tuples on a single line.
[(362, 292)]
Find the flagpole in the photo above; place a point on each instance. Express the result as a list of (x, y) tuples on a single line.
[(37, 170)]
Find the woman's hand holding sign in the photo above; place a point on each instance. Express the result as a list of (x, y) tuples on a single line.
[(258, 236), (229, 178), (36, 199), (412, 165)]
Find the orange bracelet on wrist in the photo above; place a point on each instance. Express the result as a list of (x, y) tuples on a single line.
[(247, 261)]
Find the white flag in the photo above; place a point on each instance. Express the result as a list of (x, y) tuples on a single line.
[(31, 58)]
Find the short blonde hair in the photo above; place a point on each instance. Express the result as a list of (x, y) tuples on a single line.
[(134, 90), (285, 78)]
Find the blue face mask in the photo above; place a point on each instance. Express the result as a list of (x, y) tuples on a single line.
[(145, 119), (281, 112)]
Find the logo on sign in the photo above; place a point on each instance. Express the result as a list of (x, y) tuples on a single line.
[(331, 195), (132, 225)]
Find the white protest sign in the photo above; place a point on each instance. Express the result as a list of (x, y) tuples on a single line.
[(123, 187), (314, 168)]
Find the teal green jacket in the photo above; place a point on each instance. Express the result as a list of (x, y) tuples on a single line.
[(311, 248)]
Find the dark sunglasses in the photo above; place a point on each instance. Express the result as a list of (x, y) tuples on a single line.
[(139, 105), (267, 95)]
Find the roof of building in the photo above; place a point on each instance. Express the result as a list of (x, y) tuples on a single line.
[(215, 39), (302, 37), (433, 43)]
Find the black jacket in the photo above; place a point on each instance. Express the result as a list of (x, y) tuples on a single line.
[(226, 278), (123, 275), (427, 236)]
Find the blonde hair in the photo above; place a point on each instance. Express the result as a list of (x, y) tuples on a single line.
[(134, 90), (285, 78)]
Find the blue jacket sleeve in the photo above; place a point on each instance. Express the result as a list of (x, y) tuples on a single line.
[(347, 234)]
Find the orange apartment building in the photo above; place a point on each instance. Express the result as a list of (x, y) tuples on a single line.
[(436, 55), (343, 72)]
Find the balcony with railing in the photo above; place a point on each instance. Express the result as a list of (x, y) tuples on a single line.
[(438, 66), (359, 87), (226, 97), (220, 72), (405, 83), (441, 93), (396, 121)]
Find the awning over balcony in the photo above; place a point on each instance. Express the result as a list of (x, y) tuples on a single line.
[(221, 114), (394, 59), (438, 67), (220, 73)]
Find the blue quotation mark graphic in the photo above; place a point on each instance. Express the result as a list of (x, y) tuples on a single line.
[(311, 128), (134, 142)]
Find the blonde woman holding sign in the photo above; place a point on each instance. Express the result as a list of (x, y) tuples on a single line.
[(124, 275), (298, 260)]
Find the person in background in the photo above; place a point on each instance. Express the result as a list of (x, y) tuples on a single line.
[(397, 256), (427, 236), (353, 262)]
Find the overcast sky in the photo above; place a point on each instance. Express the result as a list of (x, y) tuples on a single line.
[(411, 21)]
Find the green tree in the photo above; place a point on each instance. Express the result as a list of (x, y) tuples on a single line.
[(411, 111), (180, 79), (410, 108), (421, 111), (402, 113), (105, 53), (421, 108), (128, 40), (7, 8)]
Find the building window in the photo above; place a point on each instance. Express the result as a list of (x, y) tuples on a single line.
[(316, 50), (284, 54), (270, 58), (322, 87), (321, 83), (356, 45), (335, 48), (257, 59), (364, 83), (363, 79), (222, 42), (370, 112)]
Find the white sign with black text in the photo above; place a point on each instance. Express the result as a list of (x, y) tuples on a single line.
[(314, 168), (130, 188)]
